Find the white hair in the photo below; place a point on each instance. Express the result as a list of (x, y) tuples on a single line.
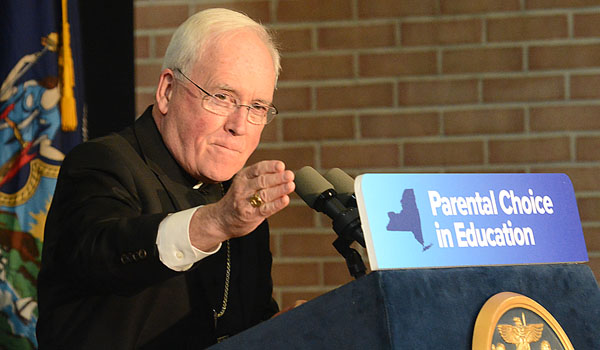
[(189, 40)]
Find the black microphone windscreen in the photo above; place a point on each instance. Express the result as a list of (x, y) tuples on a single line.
[(310, 185)]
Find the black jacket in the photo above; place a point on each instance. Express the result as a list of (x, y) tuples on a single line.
[(101, 283)]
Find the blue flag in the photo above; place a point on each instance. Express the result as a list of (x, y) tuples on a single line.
[(41, 104)]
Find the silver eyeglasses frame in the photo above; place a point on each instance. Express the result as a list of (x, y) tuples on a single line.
[(258, 113)]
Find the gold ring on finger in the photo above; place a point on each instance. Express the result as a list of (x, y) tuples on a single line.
[(255, 200)]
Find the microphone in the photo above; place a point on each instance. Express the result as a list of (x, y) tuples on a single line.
[(319, 194), (343, 185)]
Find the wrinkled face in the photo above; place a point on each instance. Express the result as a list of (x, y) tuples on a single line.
[(210, 147)]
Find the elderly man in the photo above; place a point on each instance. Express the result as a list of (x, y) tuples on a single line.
[(156, 237)]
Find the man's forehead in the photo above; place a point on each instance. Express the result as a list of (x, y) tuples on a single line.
[(238, 63)]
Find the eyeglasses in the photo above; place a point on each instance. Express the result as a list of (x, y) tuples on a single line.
[(224, 105)]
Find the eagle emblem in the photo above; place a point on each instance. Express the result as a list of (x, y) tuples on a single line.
[(521, 334)]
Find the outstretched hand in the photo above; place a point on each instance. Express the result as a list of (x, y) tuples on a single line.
[(234, 215)]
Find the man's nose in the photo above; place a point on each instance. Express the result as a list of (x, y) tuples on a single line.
[(237, 122)]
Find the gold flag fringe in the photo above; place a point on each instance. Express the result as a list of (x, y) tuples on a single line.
[(68, 110)]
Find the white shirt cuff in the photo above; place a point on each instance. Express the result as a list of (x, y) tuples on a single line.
[(173, 241)]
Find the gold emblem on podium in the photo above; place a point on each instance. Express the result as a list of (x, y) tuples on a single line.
[(511, 321)]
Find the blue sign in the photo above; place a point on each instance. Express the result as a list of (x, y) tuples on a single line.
[(443, 220)]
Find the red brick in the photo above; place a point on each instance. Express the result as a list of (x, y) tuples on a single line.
[(313, 10), (549, 4), (529, 150), (437, 92), (324, 221), (594, 264), (257, 10), (360, 156), (308, 245), (394, 8), (585, 86), (290, 40), (320, 128), (317, 67), (363, 36), (161, 42), (559, 118), (336, 273), (443, 153), (592, 238), (487, 169), (441, 32), (289, 298), (274, 243), (482, 60), (355, 96), (527, 28), (487, 121), (583, 178), (564, 56), (295, 274), (294, 157), (147, 74), (398, 64), (523, 89), (292, 99), (586, 25), (587, 148), (269, 133), (589, 208), (293, 216), (160, 16), (453, 7), (142, 101), (399, 125), (141, 46)]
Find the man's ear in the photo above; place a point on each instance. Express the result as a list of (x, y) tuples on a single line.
[(164, 90)]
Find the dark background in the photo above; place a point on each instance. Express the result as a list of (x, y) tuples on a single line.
[(107, 43)]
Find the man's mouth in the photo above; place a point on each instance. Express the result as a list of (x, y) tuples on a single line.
[(229, 148)]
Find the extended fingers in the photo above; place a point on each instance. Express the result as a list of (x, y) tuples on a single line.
[(273, 180), (275, 191), (265, 167), (267, 174), (265, 187), (272, 207)]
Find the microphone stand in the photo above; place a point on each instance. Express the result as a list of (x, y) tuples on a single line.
[(347, 226), (354, 261)]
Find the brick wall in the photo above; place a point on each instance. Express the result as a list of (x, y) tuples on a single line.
[(413, 86)]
